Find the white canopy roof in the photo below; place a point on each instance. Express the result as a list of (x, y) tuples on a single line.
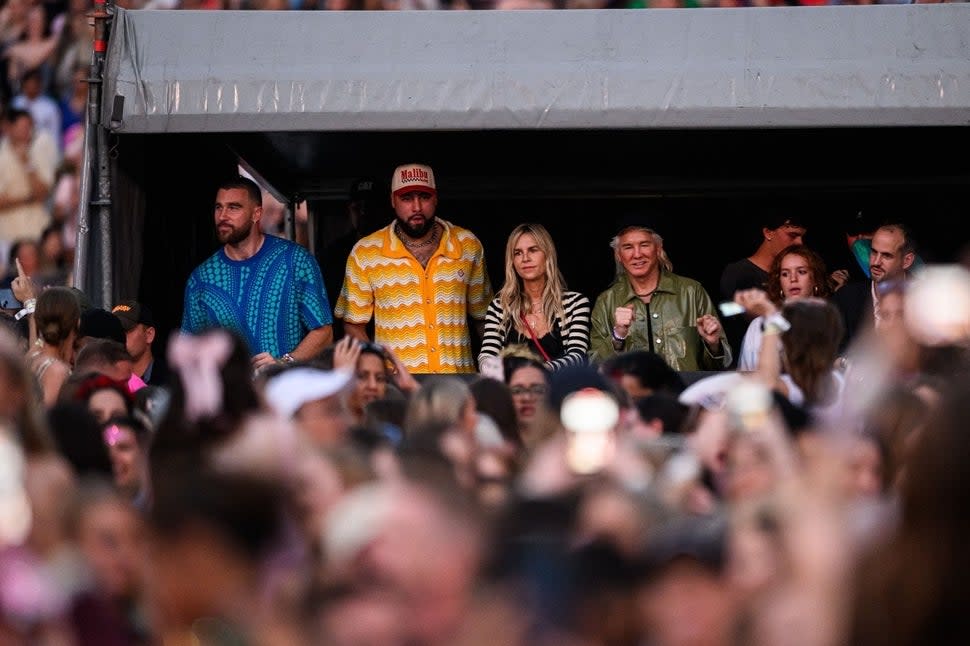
[(255, 71)]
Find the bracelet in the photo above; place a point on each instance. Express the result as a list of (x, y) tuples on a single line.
[(287, 358), (776, 324), (771, 330), (618, 338), (29, 305)]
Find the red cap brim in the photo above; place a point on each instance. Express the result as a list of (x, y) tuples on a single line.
[(414, 188)]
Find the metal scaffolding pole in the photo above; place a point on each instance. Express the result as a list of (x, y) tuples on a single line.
[(95, 147)]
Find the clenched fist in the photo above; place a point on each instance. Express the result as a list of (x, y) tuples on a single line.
[(622, 320), (709, 327)]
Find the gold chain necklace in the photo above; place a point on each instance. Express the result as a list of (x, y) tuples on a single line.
[(410, 244)]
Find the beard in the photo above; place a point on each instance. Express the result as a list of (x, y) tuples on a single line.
[(419, 231), (234, 235)]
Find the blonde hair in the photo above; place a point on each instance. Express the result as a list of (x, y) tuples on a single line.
[(512, 298), (662, 256), (441, 401), (519, 351)]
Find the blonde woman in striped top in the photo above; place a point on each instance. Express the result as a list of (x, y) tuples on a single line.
[(533, 307)]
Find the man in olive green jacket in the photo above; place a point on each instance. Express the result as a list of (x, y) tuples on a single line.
[(651, 308)]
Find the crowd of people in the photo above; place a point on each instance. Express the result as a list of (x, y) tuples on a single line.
[(44, 53), (463, 465)]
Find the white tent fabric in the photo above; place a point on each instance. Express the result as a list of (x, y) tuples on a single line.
[(229, 71)]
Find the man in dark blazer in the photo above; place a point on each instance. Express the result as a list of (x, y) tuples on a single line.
[(892, 254)]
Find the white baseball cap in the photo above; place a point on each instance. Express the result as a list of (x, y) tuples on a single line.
[(289, 390), (412, 177)]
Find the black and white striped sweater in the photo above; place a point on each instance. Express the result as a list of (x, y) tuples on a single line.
[(572, 332)]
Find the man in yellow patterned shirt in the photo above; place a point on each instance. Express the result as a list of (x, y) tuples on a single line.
[(420, 278)]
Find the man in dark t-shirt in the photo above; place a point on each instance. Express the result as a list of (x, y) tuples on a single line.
[(778, 232)]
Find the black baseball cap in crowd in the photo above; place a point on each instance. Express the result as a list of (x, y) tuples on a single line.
[(131, 313), (101, 324)]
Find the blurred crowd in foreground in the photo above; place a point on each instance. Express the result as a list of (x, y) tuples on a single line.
[(342, 501)]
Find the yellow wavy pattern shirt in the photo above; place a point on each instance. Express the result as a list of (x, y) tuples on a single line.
[(419, 312)]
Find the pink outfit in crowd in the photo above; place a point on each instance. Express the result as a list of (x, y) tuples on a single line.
[(135, 383)]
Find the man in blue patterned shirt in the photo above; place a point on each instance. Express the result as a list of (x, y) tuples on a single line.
[(266, 288)]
